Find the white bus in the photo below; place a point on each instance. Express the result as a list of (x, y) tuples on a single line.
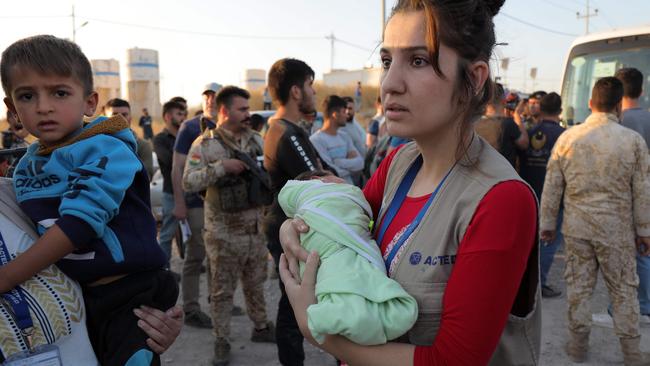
[(598, 55)]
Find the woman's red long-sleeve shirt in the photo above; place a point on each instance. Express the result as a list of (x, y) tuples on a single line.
[(490, 263)]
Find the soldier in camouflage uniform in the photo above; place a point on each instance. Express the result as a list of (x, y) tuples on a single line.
[(234, 242), (600, 169)]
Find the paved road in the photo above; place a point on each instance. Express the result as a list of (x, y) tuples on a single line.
[(194, 346)]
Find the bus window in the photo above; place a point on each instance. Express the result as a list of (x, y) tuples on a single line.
[(584, 70)]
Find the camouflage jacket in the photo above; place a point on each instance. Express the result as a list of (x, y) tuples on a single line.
[(203, 169), (600, 168)]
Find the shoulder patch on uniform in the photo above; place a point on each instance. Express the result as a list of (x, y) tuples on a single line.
[(195, 159)]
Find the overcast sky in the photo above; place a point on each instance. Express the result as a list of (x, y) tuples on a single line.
[(201, 41)]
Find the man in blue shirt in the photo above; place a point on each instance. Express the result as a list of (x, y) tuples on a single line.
[(533, 170), (190, 207), (638, 119)]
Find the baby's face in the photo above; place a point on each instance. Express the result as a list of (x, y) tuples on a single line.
[(331, 179)]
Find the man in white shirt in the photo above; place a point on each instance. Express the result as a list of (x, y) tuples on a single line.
[(333, 144)]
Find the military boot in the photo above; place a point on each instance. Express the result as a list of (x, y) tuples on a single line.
[(221, 352), (577, 346), (632, 355), (266, 334)]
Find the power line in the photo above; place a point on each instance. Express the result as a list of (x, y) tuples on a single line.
[(225, 35), (33, 16), (198, 33), (353, 45), (538, 27), (573, 11)]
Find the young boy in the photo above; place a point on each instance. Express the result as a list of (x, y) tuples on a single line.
[(88, 193), (355, 297)]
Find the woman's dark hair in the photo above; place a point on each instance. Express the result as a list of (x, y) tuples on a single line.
[(465, 26)]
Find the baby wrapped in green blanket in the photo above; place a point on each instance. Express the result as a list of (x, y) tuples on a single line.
[(356, 298)]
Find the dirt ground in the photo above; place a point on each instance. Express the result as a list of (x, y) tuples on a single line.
[(194, 346)]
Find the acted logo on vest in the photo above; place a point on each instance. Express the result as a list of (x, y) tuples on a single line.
[(439, 260)]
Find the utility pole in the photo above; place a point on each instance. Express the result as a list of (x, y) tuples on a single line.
[(586, 17), (332, 39), (383, 17), (74, 27)]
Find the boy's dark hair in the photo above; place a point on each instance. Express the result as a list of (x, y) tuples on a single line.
[(256, 121), (308, 175), (179, 100), (348, 100), (632, 80), (286, 73), (551, 104), (169, 106), (333, 103), (117, 102), (46, 55), (227, 93), (607, 94)]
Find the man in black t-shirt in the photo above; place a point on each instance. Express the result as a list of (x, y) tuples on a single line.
[(287, 153), (533, 170), (163, 145)]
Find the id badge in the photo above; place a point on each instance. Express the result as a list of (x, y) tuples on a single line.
[(46, 355)]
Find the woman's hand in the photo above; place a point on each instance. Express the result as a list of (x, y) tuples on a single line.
[(290, 239), (301, 294), (161, 327)]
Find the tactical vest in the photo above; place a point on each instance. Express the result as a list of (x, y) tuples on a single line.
[(424, 267), (236, 193)]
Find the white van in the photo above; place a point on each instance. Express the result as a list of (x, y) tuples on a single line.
[(598, 55)]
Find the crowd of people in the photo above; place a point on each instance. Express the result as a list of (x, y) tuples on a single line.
[(593, 191), (451, 175)]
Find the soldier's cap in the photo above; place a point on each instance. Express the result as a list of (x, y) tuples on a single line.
[(211, 87)]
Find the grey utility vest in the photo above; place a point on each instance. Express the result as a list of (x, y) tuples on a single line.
[(424, 267)]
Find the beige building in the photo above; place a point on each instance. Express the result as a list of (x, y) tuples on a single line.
[(143, 82), (254, 80), (106, 77), (367, 77)]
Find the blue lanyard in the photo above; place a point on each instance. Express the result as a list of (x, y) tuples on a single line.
[(15, 297), (396, 203)]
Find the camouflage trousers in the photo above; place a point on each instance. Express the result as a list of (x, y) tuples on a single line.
[(235, 254), (617, 264)]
